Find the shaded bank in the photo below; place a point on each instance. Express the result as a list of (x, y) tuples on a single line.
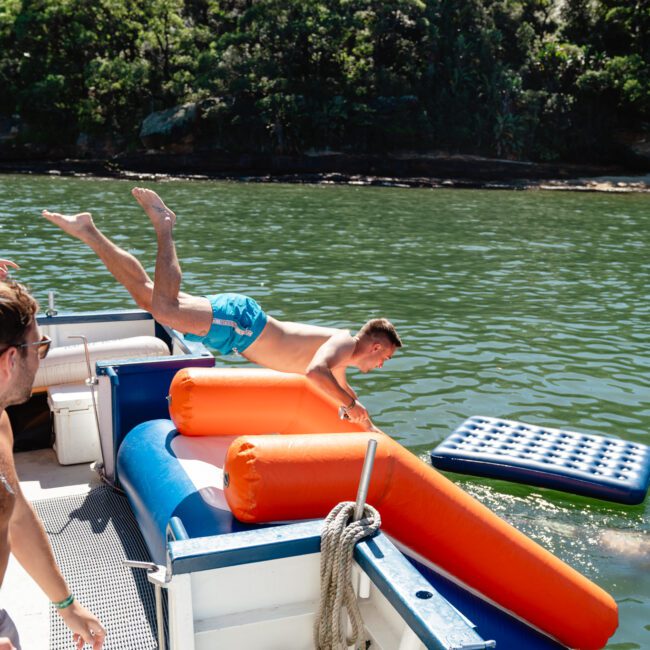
[(401, 170)]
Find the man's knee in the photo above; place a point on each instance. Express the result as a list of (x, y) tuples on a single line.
[(144, 303), (164, 311), (143, 297)]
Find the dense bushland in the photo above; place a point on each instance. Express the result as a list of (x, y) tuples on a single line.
[(537, 79)]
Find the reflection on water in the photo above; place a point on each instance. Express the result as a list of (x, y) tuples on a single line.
[(528, 306)]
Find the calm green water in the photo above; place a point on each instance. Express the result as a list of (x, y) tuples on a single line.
[(531, 306)]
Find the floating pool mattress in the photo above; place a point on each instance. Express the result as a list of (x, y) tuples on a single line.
[(590, 465)]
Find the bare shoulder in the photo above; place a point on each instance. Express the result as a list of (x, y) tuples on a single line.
[(339, 348), (9, 486), (342, 338), (6, 433)]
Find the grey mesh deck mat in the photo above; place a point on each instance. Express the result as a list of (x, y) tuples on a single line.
[(91, 534)]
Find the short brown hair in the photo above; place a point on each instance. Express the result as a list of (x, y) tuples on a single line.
[(17, 311), (382, 327)]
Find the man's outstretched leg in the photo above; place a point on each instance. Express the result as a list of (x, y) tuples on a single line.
[(169, 304), (170, 307), (123, 266)]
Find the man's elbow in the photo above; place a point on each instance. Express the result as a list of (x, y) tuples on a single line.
[(315, 374), (22, 516)]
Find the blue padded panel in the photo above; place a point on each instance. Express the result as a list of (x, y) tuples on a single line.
[(595, 466), (139, 390)]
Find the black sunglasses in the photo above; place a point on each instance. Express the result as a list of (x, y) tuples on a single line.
[(43, 346)]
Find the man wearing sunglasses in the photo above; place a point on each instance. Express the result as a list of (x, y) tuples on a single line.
[(21, 531)]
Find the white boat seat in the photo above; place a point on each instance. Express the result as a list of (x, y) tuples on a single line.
[(67, 364)]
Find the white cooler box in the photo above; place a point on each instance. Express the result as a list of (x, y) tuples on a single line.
[(75, 428)]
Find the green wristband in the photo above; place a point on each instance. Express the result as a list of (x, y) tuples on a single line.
[(62, 604)]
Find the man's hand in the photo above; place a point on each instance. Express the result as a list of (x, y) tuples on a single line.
[(6, 644), (84, 625), (4, 272), (357, 413)]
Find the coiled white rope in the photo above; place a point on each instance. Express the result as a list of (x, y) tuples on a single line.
[(339, 537)]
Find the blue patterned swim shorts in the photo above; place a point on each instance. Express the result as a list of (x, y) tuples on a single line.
[(236, 322)]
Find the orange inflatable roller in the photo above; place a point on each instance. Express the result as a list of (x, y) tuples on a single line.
[(225, 401), (277, 478)]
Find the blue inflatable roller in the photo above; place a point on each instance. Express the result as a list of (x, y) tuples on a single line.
[(167, 475), (590, 465)]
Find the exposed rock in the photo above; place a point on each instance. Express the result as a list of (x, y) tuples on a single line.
[(404, 170), (95, 146), (641, 148), (634, 148), (10, 126), (172, 129)]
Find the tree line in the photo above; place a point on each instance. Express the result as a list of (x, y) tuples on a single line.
[(522, 79)]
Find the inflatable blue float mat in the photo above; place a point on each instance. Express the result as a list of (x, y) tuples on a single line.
[(590, 465)]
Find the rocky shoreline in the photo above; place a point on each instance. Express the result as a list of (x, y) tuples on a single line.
[(394, 170)]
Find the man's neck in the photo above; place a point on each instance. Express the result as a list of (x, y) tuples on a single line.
[(353, 356)]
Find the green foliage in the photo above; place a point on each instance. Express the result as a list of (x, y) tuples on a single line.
[(538, 79), (114, 87)]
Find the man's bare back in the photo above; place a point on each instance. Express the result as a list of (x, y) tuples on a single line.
[(290, 347)]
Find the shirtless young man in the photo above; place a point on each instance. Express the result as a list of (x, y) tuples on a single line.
[(21, 531), (230, 322)]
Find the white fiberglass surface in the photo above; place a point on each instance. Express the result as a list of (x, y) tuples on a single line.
[(202, 459)]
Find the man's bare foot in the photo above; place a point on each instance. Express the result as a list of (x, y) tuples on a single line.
[(78, 225), (152, 204)]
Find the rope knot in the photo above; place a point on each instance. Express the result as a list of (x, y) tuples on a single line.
[(338, 539)]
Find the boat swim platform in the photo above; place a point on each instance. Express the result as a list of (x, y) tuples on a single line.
[(185, 485), (589, 465)]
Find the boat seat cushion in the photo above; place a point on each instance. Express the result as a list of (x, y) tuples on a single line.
[(67, 364), (590, 465)]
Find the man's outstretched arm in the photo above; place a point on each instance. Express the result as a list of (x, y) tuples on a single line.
[(330, 360), (30, 546)]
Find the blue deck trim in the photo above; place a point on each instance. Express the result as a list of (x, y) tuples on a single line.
[(426, 612), (148, 365), (491, 621), (244, 547), (438, 624)]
